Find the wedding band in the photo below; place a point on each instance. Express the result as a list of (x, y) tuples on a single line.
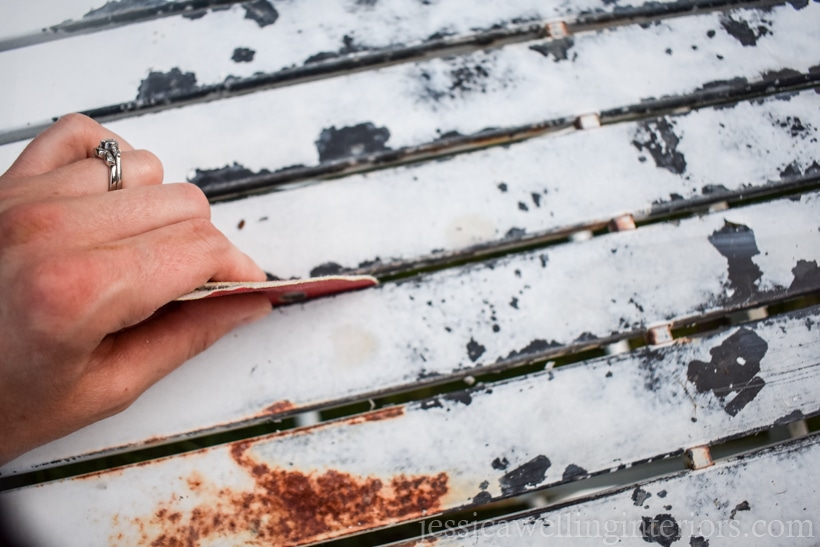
[(109, 152)]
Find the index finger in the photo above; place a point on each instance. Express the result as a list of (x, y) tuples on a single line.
[(72, 138)]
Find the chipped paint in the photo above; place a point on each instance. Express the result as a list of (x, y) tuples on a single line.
[(209, 177), (662, 529), (727, 152), (736, 243), (243, 55), (557, 49), (682, 509), (573, 472), (639, 496), (744, 32), (461, 94), (435, 452), (317, 483), (659, 139), (261, 12), (357, 140), (733, 369), (528, 474), (163, 86), (356, 333)]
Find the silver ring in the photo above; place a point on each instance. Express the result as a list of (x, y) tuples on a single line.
[(109, 152)]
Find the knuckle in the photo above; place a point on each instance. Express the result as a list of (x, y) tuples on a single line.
[(58, 294), (30, 222), (208, 237), (152, 165), (76, 122), (123, 398), (194, 196), (199, 344)]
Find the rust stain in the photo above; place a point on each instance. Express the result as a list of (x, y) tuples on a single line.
[(378, 415), (278, 407), (289, 507)]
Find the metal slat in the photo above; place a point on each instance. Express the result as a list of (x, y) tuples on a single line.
[(400, 218), (765, 498), (228, 52), (337, 121), (466, 320), (458, 450), (26, 22)]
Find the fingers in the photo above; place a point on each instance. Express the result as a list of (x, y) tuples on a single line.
[(137, 276), (120, 215), (89, 221), (136, 358), (90, 176), (83, 177), (72, 138)]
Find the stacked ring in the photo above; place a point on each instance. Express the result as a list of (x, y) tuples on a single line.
[(109, 152)]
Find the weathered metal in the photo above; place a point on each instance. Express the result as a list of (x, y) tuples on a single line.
[(407, 105), (462, 449), (530, 191), (489, 316), (556, 137), (331, 38), (764, 498)]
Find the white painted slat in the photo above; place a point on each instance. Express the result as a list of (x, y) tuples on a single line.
[(549, 184), (406, 105), (225, 44), (767, 498), (463, 449), (24, 22), (455, 322), (19, 18)]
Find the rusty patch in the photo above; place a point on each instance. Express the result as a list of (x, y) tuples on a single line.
[(378, 415), (288, 507), (279, 407)]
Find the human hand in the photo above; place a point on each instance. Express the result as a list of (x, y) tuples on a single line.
[(86, 277)]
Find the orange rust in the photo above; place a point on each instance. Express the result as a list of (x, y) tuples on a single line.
[(384, 414), (195, 481), (623, 223), (290, 507), (378, 415), (661, 335), (279, 407)]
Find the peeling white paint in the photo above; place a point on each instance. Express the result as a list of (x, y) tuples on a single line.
[(762, 499), (613, 68), (611, 403), (451, 322), (586, 177), (205, 46)]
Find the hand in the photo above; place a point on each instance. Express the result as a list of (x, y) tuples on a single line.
[(86, 277)]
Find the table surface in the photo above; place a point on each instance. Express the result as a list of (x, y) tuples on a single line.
[(596, 231)]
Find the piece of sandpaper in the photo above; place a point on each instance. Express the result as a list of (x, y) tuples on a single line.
[(285, 291)]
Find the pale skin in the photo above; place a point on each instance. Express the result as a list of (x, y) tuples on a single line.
[(87, 280)]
